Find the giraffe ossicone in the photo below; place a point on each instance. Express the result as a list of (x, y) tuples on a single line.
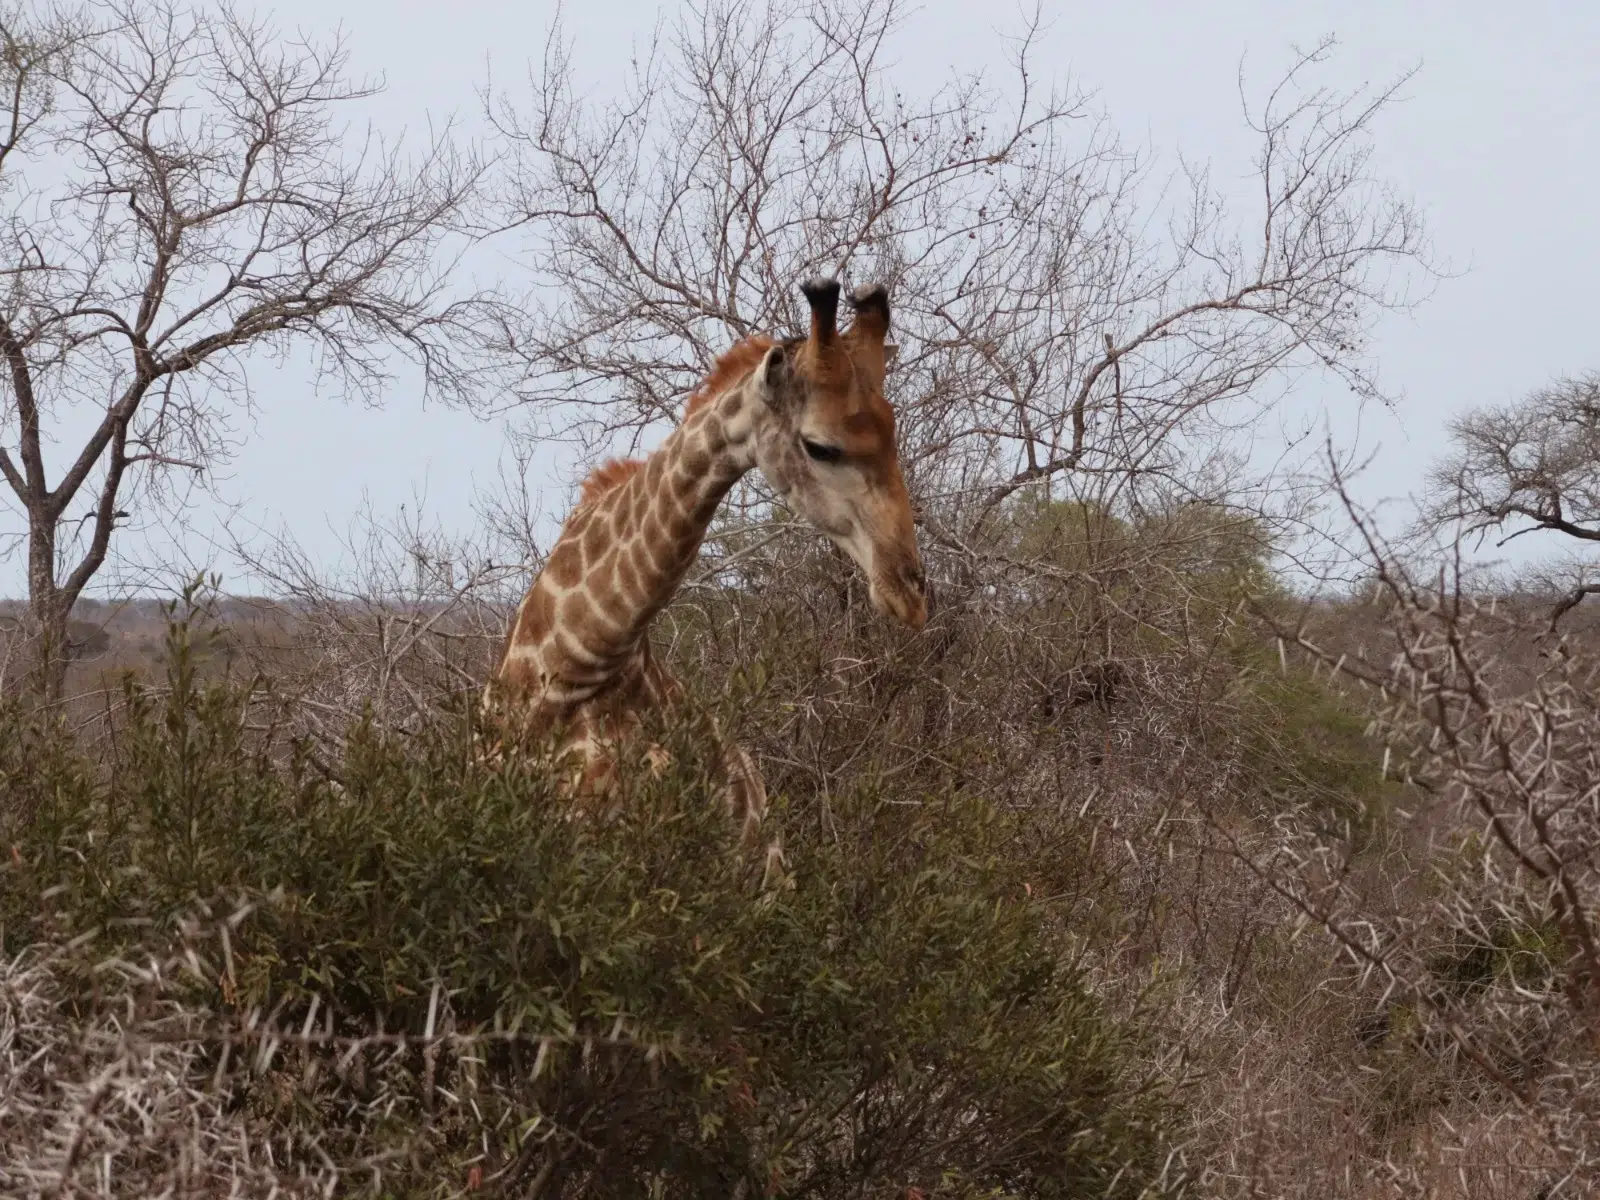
[(808, 413)]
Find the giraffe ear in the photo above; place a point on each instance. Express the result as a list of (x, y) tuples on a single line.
[(772, 375)]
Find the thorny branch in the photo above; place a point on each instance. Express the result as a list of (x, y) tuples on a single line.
[(1494, 731)]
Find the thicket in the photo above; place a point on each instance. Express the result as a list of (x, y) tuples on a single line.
[(413, 972), (1023, 948)]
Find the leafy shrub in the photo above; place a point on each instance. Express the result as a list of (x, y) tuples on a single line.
[(477, 990)]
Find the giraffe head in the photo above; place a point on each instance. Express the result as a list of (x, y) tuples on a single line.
[(828, 444)]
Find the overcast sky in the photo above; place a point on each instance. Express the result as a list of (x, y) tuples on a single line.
[(1496, 140)]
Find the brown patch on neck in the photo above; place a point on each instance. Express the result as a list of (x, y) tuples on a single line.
[(607, 477), (729, 368)]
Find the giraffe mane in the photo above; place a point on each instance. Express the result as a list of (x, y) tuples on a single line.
[(731, 366), (737, 362), (606, 477)]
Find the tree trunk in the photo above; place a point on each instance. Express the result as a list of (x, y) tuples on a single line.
[(47, 612)]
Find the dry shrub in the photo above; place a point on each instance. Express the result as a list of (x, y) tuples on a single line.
[(109, 1095), (427, 979), (1160, 790), (1192, 804), (1473, 937)]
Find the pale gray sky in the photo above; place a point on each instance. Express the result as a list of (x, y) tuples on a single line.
[(1497, 140)]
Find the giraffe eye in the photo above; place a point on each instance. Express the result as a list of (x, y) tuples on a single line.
[(821, 453)]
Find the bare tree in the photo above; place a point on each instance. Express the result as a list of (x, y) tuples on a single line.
[(1526, 467), (180, 201), (1531, 465), (1061, 315)]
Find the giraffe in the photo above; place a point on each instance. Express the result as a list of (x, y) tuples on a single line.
[(810, 414)]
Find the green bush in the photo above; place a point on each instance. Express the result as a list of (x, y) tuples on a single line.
[(1307, 747), (631, 1010)]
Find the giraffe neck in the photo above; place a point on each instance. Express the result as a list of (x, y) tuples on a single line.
[(622, 557), (660, 515)]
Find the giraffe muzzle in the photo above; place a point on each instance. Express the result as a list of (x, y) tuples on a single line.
[(903, 594)]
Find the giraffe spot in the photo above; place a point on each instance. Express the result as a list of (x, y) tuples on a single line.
[(668, 509), (566, 565), (653, 537), (685, 488), (694, 464), (629, 584), (605, 587), (577, 522), (654, 471), (518, 679), (707, 507), (579, 632), (573, 610), (716, 437), (639, 510), (622, 519), (579, 665), (533, 622), (595, 540), (599, 774)]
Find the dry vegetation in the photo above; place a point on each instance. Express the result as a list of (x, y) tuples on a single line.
[(1329, 980), (1130, 875)]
